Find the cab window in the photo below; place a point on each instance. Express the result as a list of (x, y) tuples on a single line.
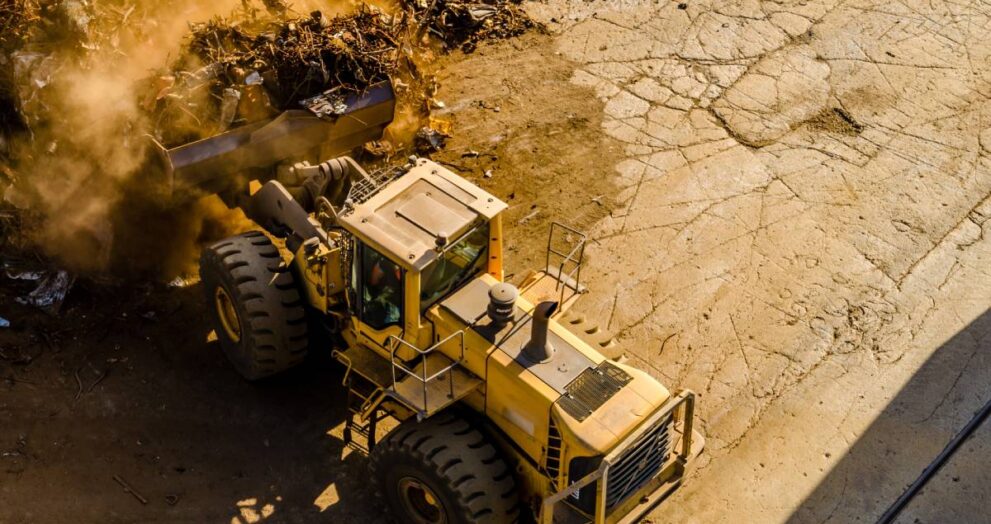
[(454, 267), (381, 290)]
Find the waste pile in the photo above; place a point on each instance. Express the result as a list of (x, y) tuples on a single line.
[(16, 19), (86, 86), (464, 24), (236, 73)]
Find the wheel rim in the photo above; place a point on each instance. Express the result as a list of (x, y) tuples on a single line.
[(420, 502), (227, 314)]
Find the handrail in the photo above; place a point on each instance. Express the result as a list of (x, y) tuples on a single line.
[(550, 246), (395, 343), (347, 373), (576, 256), (686, 398)]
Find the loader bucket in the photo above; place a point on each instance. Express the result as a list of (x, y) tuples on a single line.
[(213, 164)]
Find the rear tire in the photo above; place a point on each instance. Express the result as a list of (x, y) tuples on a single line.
[(445, 471), (259, 317)]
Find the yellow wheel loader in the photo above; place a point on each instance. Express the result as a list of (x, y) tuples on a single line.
[(507, 408)]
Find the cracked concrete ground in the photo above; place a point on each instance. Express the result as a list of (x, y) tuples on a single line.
[(800, 231), (788, 204)]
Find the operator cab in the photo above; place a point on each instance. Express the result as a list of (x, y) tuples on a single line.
[(419, 239)]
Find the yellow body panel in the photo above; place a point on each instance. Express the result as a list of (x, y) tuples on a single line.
[(520, 404), (616, 419), (323, 280), (512, 398), (495, 249)]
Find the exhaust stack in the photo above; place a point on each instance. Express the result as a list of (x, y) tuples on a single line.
[(539, 349)]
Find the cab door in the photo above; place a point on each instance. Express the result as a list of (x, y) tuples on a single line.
[(379, 287)]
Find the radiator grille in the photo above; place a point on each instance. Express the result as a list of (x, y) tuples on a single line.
[(639, 463)]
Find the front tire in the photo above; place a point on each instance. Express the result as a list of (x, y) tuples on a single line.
[(259, 317), (443, 471)]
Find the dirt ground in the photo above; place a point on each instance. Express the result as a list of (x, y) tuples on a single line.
[(787, 203), (155, 402)]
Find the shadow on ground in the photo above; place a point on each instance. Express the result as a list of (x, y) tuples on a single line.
[(125, 383), (925, 414)]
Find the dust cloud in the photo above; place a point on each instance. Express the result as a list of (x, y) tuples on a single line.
[(80, 80), (88, 77), (84, 77)]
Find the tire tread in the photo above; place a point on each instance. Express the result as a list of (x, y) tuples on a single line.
[(273, 319), (447, 447)]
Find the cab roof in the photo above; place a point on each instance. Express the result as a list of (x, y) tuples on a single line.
[(406, 217)]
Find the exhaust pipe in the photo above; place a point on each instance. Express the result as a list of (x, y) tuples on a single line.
[(539, 349)]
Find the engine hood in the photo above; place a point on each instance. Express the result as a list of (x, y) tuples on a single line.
[(595, 400), (469, 305)]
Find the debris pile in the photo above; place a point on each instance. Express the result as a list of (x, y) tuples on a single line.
[(464, 24), (233, 73), (17, 17), (85, 84), (16, 20)]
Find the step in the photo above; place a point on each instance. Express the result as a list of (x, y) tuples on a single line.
[(367, 363), (439, 393)]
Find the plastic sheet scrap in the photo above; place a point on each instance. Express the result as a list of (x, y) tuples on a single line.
[(51, 292), (48, 287)]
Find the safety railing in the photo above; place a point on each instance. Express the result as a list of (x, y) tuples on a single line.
[(368, 185), (343, 358), (672, 469), (424, 376), (572, 260)]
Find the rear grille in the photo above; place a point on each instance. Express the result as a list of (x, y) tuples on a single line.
[(639, 463)]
